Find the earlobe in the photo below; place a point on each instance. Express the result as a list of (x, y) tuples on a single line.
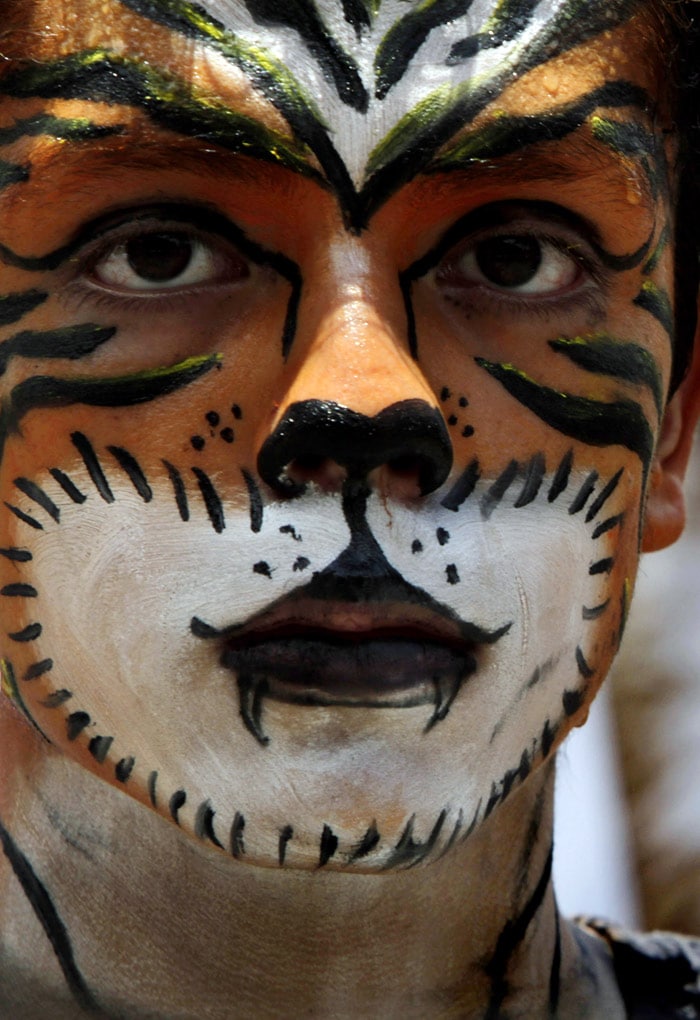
[(665, 508)]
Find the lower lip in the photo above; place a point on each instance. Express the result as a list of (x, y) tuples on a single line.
[(345, 670)]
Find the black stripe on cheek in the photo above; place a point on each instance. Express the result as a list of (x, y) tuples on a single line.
[(656, 301), (134, 471), (37, 494), (70, 342), (594, 422), (617, 359), (92, 463), (14, 307), (11, 173), (179, 490)]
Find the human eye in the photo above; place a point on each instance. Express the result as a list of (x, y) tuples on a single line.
[(520, 257), (152, 254)]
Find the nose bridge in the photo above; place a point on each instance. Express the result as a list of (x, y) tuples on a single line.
[(351, 344)]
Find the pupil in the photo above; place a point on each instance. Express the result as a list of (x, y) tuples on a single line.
[(159, 258), (509, 261)]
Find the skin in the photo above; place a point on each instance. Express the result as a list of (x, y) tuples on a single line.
[(192, 529)]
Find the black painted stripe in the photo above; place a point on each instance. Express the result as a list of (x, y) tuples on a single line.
[(25, 517), (593, 612), (204, 824), (76, 129), (70, 342), (511, 936), (286, 834), (608, 525), (618, 359), (603, 566), (509, 19), (594, 422), (50, 920), (93, 465), (37, 494), (212, 500), (133, 470), (534, 476), (12, 173), (463, 487), (178, 490), (99, 748), (124, 768), (366, 845), (584, 669), (255, 501), (19, 590), (632, 140), (38, 669), (152, 781), (121, 391), (405, 37), (336, 65), (603, 496), (268, 75), (57, 698), (29, 633), (68, 486), (657, 302), (16, 555), (328, 846), (493, 496), (582, 496), (14, 307), (408, 851), (561, 477), (175, 803), (170, 102), (237, 841), (76, 723)]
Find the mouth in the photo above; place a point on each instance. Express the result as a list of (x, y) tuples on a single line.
[(359, 654)]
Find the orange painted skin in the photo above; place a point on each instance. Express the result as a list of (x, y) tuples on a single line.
[(156, 537)]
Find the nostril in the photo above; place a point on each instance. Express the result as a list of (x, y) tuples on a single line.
[(325, 442)]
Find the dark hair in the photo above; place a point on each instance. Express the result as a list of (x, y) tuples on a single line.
[(683, 19)]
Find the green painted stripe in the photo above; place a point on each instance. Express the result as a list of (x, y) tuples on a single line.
[(656, 301), (66, 128), (507, 134), (100, 76), (619, 359), (117, 391), (634, 141), (594, 422)]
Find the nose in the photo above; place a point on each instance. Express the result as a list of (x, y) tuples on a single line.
[(408, 438)]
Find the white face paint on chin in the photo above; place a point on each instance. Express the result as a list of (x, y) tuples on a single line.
[(335, 783)]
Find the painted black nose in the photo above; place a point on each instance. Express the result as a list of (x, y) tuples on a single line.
[(408, 437)]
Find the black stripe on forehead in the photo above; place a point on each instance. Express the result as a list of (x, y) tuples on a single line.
[(411, 143), (99, 76)]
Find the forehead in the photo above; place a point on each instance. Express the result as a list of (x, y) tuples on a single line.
[(363, 88)]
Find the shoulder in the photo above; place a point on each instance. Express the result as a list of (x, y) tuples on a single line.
[(658, 973)]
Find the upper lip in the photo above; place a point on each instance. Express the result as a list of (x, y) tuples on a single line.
[(298, 615)]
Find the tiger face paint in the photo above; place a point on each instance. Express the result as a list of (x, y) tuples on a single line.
[(335, 345)]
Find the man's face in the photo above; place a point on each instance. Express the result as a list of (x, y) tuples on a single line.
[(335, 352)]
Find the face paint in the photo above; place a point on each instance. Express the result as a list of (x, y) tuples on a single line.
[(325, 429)]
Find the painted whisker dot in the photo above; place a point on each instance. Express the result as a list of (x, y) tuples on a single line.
[(212, 418), (236, 412), (227, 434), (198, 442), (468, 431), (76, 723), (416, 546), (445, 393), (124, 768), (452, 574)]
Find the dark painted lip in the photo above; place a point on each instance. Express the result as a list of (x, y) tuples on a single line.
[(312, 648)]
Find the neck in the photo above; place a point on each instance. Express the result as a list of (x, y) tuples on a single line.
[(159, 926)]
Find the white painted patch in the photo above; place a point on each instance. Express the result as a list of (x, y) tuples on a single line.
[(119, 584)]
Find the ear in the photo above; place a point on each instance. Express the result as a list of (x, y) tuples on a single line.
[(665, 508)]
